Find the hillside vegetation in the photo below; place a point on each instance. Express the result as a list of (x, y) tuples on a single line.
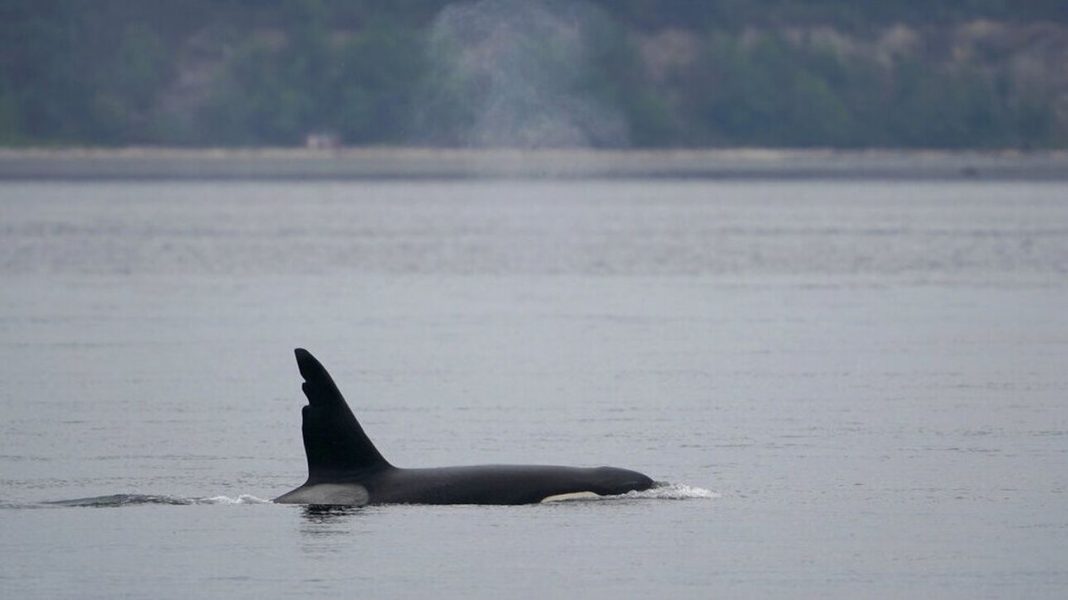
[(789, 73)]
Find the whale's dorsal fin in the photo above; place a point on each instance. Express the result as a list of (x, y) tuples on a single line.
[(334, 442)]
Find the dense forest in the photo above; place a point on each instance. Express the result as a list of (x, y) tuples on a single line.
[(549, 73)]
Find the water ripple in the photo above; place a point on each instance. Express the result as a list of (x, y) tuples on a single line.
[(119, 500)]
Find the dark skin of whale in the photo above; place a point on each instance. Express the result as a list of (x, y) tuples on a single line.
[(345, 468)]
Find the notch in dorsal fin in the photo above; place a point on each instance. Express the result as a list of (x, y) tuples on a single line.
[(334, 442)]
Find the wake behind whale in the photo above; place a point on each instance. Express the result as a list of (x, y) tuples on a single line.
[(119, 500)]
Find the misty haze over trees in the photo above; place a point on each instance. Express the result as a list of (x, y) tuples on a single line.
[(486, 73)]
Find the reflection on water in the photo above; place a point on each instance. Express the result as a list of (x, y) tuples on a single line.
[(327, 530), (322, 514)]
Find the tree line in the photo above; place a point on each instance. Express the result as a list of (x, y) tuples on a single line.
[(833, 73)]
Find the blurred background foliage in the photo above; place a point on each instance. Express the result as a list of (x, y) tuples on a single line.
[(669, 73)]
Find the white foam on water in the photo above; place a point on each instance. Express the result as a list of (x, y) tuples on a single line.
[(660, 491), (674, 491), (242, 499)]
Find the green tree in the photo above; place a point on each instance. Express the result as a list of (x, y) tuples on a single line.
[(374, 84)]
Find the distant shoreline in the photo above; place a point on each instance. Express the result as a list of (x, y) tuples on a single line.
[(153, 163)]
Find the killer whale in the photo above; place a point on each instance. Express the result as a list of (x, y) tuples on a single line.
[(345, 468)]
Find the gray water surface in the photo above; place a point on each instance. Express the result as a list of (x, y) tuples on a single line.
[(856, 388)]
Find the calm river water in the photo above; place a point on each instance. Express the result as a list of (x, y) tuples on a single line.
[(854, 388)]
